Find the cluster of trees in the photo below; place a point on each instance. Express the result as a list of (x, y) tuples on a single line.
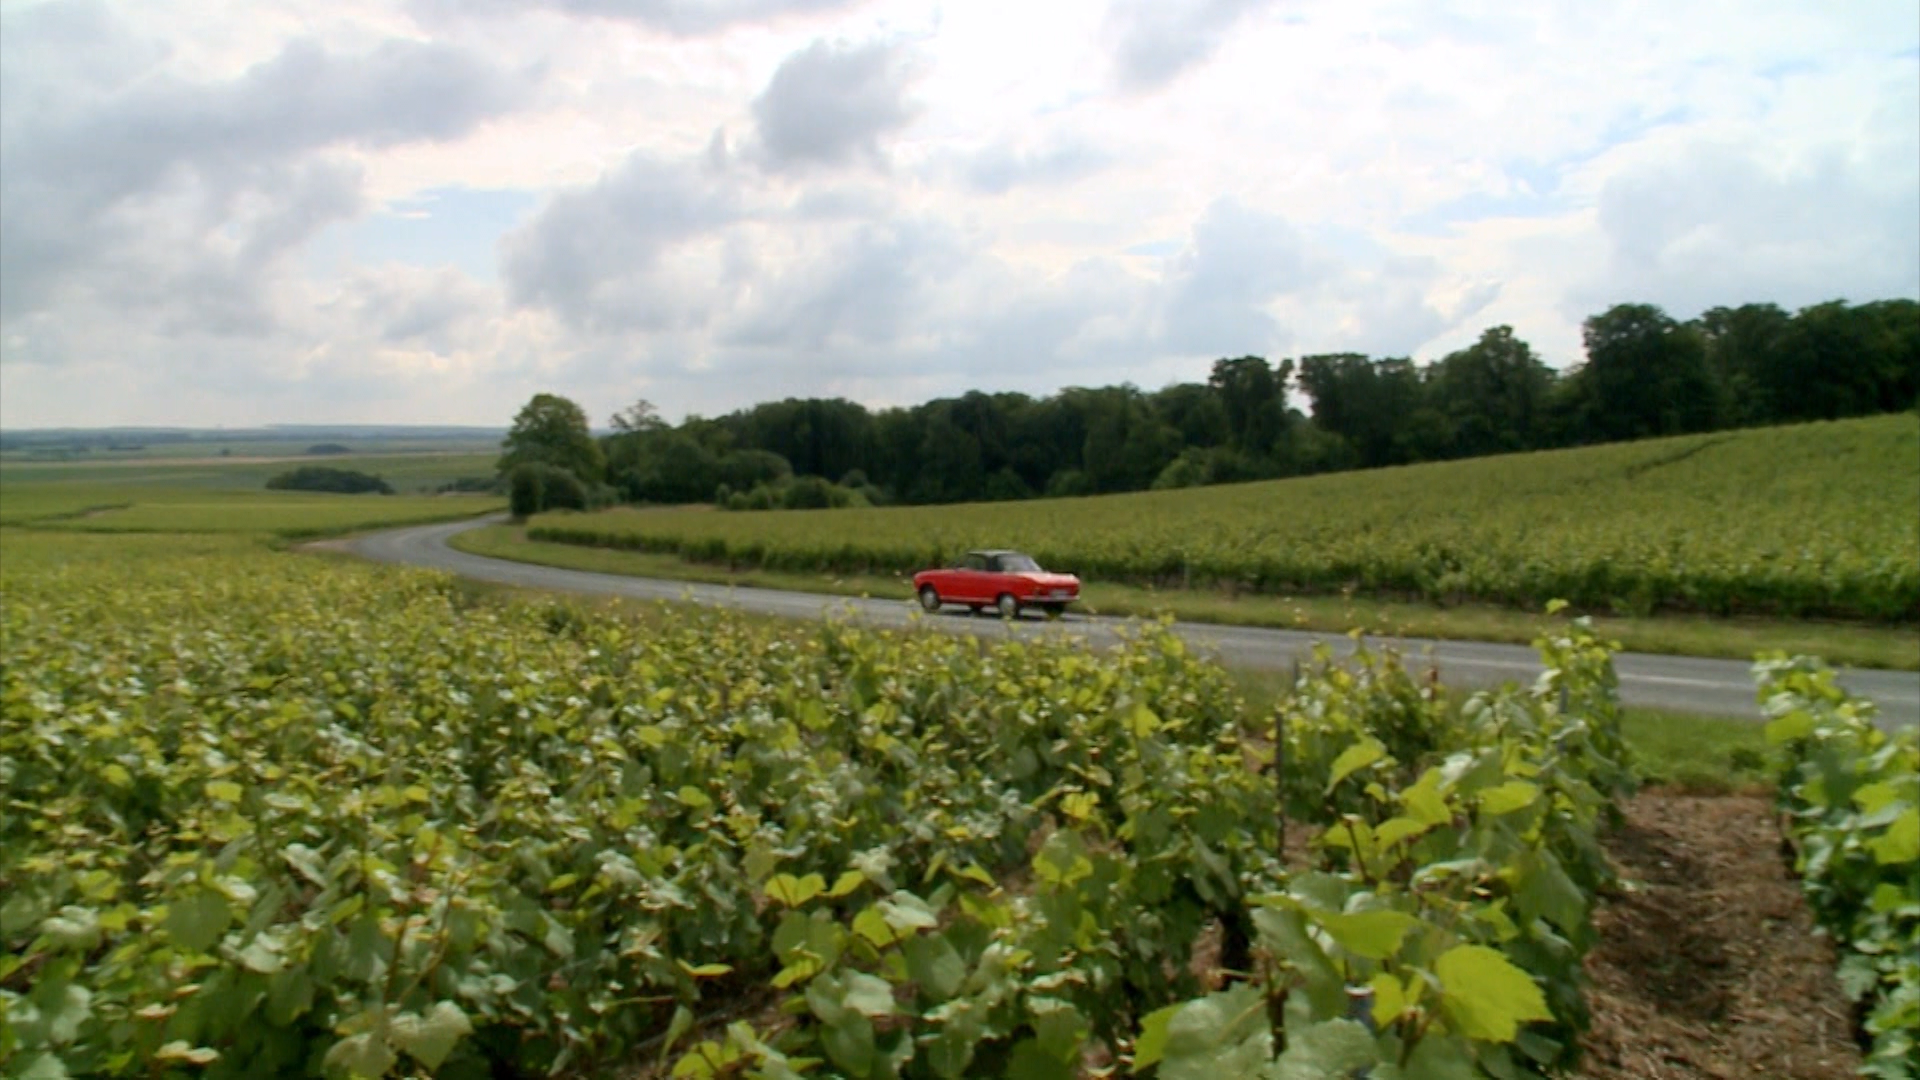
[(1645, 375), (335, 481)]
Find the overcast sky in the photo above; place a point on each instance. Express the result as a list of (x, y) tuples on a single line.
[(231, 213)]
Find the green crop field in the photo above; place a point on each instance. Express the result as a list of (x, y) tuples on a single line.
[(101, 508), (410, 472), (1814, 520), (231, 496), (277, 816)]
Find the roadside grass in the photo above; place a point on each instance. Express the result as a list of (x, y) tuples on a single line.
[(1855, 645)]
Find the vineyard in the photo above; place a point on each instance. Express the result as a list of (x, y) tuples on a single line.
[(276, 816), (1815, 520)]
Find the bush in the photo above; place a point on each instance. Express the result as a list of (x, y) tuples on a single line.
[(336, 481), (328, 448), (535, 487)]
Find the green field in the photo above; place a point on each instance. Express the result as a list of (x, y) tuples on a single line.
[(410, 472), (231, 496), (1809, 521), (286, 514)]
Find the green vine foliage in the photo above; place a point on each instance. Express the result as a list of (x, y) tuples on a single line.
[(1437, 932), (1850, 794), (276, 816)]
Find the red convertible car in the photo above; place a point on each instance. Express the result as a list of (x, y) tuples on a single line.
[(1007, 581)]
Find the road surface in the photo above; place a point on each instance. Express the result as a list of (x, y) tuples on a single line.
[(1680, 683)]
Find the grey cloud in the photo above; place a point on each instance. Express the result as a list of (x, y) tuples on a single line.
[(868, 291), (112, 182), (1000, 169), (1717, 225), (687, 18), (1155, 41), (1238, 261), (591, 253), (831, 102)]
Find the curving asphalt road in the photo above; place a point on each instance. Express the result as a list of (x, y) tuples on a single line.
[(1685, 684)]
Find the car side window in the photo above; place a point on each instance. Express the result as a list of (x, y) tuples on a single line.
[(974, 562), (998, 564)]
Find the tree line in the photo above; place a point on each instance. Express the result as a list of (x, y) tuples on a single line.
[(1645, 375)]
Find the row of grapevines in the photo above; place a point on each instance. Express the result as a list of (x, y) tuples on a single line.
[(1815, 519), (1440, 929), (1453, 870), (1851, 796), (270, 816)]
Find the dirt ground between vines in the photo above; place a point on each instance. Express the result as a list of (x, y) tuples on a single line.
[(1708, 965)]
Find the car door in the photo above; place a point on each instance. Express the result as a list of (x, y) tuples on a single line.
[(972, 582), (998, 580)]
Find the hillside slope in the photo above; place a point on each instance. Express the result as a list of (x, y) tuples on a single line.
[(1812, 520)]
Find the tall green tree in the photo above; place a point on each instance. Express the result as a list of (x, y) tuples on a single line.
[(1645, 376), (1377, 407), (1254, 396), (551, 430), (1834, 361), (1493, 394)]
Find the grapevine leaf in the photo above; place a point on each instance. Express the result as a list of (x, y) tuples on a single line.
[(47, 1066), (1375, 935), (792, 891), (1224, 1034), (1389, 999), (362, 1055), (1151, 1046), (906, 912), (430, 1038), (1508, 797), (850, 1044), (1901, 842), (1399, 829), (1354, 758), (1330, 1048), (868, 995), (1423, 799), (936, 967), (846, 883), (1485, 995), (197, 920)]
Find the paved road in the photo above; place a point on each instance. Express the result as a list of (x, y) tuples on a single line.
[(1687, 684)]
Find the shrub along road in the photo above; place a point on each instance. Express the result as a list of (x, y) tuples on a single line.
[(1686, 684)]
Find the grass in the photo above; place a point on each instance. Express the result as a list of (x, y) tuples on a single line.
[(96, 508), (423, 471), (1857, 645)]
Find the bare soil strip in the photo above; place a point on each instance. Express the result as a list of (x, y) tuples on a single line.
[(1709, 965)]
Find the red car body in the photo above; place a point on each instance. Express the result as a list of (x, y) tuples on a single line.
[(1004, 580)]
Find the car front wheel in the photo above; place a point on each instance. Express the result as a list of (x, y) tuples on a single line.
[(929, 599), (1008, 607)]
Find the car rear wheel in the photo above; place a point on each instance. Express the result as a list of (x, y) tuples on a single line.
[(1008, 607), (929, 600)]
